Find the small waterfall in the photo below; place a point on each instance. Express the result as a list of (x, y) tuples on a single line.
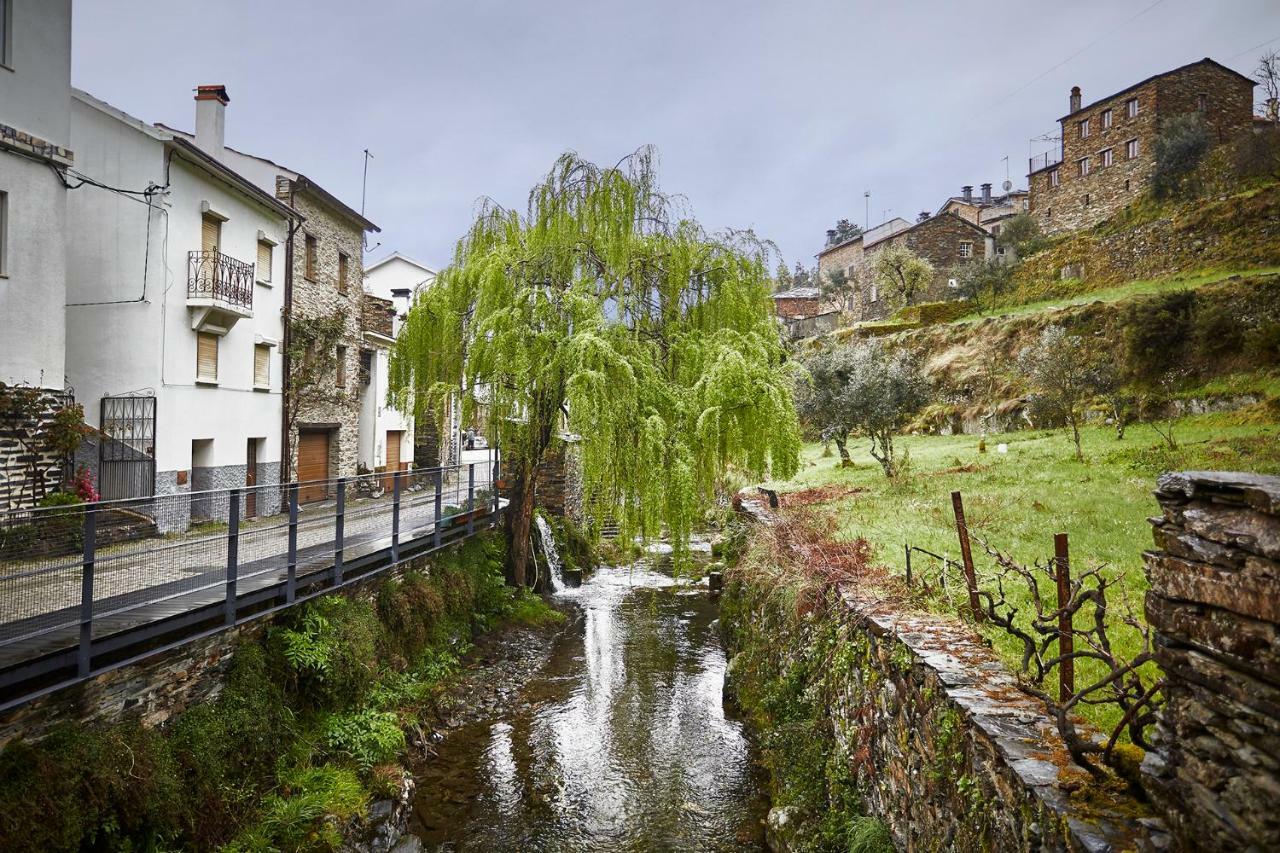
[(549, 552)]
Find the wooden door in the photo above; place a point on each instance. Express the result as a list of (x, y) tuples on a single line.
[(313, 465), (393, 456), (251, 479)]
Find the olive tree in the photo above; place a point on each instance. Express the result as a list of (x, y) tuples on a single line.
[(822, 397), (1180, 145), (883, 391), (607, 311), (901, 271), (1063, 371), (983, 281)]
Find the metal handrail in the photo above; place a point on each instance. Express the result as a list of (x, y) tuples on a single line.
[(213, 275)]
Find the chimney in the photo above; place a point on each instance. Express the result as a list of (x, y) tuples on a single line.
[(831, 236), (966, 193), (986, 193), (922, 216), (1075, 98), (211, 119)]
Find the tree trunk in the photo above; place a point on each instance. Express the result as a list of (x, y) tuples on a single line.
[(519, 525), (1075, 435), (845, 461)]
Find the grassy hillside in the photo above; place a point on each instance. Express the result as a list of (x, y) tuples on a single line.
[(1017, 500)]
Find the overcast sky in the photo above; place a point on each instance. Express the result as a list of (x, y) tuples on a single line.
[(770, 115)]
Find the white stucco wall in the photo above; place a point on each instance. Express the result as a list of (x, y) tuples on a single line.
[(377, 418), (150, 344), (35, 91)]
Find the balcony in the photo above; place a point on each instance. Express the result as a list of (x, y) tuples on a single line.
[(220, 288)]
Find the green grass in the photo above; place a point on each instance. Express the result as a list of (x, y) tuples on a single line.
[(1018, 500), (1142, 287)]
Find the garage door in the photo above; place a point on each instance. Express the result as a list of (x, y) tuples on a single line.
[(393, 455), (313, 464)]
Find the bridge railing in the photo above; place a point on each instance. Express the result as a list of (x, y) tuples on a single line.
[(77, 578)]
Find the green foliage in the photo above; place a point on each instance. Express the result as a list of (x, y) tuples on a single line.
[(874, 391), (366, 737), (1022, 234), (307, 813), (983, 282), (1180, 145), (313, 363), (1063, 371), (332, 650), (605, 310), (897, 269)]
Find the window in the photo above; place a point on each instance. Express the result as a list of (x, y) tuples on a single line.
[(342, 273), (1126, 184), (264, 262), (1106, 119), (1054, 178), (1202, 102), (4, 230), (6, 27), (261, 366), (342, 367), (309, 258), (1084, 129), (1131, 149), (1106, 158), (210, 233), (1082, 166), (1086, 199), (206, 357), (966, 249), (1000, 251), (1131, 107), (875, 294)]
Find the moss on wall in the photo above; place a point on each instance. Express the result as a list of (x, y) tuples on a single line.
[(306, 731)]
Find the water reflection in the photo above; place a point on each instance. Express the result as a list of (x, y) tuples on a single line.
[(622, 742)]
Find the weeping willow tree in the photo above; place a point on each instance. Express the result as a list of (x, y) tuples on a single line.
[(606, 312)]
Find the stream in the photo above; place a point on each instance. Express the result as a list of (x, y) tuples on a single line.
[(621, 742)]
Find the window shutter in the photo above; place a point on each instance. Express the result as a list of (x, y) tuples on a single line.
[(262, 366), (207, 357), (210, 234), (342, 273), (264, 261)]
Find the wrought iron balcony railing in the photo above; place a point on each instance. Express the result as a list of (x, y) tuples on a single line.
[(222, 278)]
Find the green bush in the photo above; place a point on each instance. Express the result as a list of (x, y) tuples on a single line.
[(1180, 145), (332, 650), (18, 541), (308, 813), (1156, 332), (366, 737)]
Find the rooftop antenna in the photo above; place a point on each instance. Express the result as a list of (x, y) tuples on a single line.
[(364, 186), (867, 215)]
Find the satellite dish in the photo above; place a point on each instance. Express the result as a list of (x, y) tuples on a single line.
[(1008, 185)]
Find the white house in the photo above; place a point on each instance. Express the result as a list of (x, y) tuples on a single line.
[(35, 169), (398, 279), (174, 309)]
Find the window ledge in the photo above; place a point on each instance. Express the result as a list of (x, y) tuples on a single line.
[(262, 283), (209, 382), (262, 387)]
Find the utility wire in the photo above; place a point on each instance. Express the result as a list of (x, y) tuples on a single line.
[(1252, 49)]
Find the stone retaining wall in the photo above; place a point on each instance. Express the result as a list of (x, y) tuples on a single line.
[(1214, 604)]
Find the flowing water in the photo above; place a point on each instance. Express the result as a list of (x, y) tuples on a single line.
[(620, 743)]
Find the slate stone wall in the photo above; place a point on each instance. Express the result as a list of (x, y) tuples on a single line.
[(1214, 604)]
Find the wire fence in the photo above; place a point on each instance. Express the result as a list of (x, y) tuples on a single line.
[(73, 574)]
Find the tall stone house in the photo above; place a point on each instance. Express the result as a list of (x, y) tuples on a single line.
[(946, 240), (846, 258), (1106, 156), (35, 155), (323, 277)]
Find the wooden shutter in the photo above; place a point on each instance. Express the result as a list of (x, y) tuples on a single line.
[(206, 357), (309, 268), (210, 233), (264, 261), (342, 368), (342, 273), (261, 366)]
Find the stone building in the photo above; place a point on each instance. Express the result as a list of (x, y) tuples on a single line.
[(946, 240), (1106, 156), (323, 275), (797, 302)]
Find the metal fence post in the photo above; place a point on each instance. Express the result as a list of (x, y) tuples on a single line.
[(1066, 638), (439, 503), (907, 550), (291, 584), (395, 517), (471, 498), (970, 579), (84, 655), (338, 524), (233, 554)]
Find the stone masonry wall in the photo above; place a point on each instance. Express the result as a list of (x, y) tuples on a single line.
[(17, 491), (937, 240), (318, 297), (1214, 604), (949, 752)]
